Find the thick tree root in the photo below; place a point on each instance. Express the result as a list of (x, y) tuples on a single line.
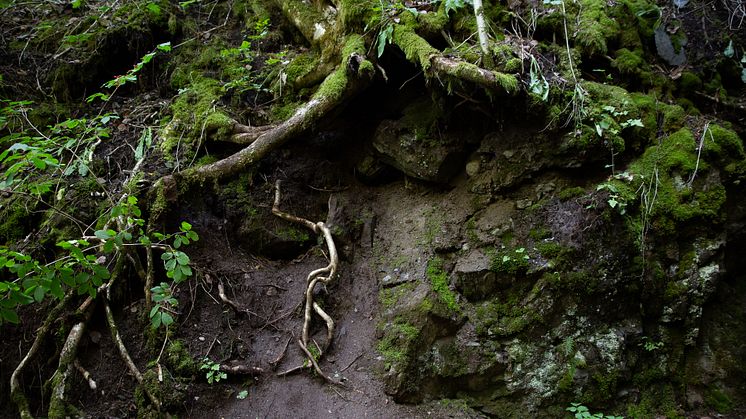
[(68, 354), (322, 275), (16, 392), (422, 54), (350, 77)]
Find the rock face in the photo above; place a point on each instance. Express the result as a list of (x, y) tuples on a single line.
[(599, 294), (434, 160)]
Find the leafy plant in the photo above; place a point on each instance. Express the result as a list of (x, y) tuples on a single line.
[(581, 412), (456, 4), (212, 371), (83, 266), (537, 84), (651, 345), (164, 303), (615, 200)]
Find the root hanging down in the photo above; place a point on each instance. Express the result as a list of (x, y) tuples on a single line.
[(319, 276)]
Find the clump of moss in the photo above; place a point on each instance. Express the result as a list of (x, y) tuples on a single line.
[(196, 115), (685, 192), (439, 281), (510, 261), (14, 213), (689, 82), (595, 27), (498, 318), (569, 193), (630, 63), (673, 117), (178, 359), (399, 337), (389, 297)]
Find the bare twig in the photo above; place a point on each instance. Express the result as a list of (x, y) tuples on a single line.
[(282, 354), (352, 362), (86, 375), (224, 298)]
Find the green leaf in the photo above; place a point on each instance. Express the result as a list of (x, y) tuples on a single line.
[(103, 234), (165, 47), (155, 321), (166, 319), (167, 256), (185, 226), (242, 394), (9, 315), (182, 258), (729, 50), (170, 264), (153, 311), (384, 37), (39, 293)]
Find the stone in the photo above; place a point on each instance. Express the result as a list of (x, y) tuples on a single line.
[(473, 277), (429, 159)]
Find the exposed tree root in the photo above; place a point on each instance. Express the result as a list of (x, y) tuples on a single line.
[(350, 77), (16, 392), (224, 298), (322, 275), (421, 53), (241, 370), (118, 339), (244, 134), (57, 404)]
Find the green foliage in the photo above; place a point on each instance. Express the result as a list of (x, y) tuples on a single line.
[(83, 266), (456, 4), (537, 84), (163, 297), (650, 345), (131, 75), (581, 412), (212, 371)]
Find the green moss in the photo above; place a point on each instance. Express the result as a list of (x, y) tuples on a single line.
[(673, 117), (497, 318), (196, 115), (399, 337), (301, 66), (432, 23), (509, 261), (629, 62), (655, 401), (569, 193), (292, 234), (178, 359), (723, 144), (16, 220), (689, 82), (389, 297), (718, 400), (415, 48), (439, 281), (595, 27)]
